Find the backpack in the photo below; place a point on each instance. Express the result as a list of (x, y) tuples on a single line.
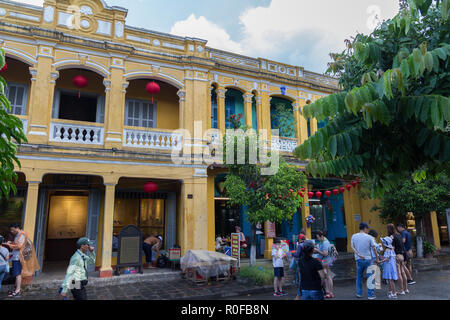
[(333, 252)]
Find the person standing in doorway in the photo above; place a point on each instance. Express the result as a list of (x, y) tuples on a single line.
[(312, 274), (151, 244), (362, 245), (278, 268), (407, 242), (24, 261), (77, 273)]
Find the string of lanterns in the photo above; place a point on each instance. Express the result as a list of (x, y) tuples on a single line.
[(335, 191)]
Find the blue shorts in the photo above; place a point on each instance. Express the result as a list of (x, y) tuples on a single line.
[(278, 272), (16, 269)]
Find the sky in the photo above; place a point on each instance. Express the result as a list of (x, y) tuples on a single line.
[(296, 32)]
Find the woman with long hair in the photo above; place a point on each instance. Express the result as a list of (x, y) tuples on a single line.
[(399, 249)]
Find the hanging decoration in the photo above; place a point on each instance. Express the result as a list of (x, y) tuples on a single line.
[(354, 184), (5, 67), (80, 82), (319, 194), (348, 187), (150, 187), (310, 220), (310, 194), (328, 193), (342, 189), (153, 88), (335, 192)]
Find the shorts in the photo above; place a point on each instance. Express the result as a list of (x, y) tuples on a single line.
[(278, 272), (16, 269)]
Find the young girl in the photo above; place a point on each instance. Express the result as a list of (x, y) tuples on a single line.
[(390, 266)]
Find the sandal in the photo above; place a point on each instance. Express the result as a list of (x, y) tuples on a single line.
[(14, 294)]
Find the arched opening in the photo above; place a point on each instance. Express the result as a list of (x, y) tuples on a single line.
[(79, 104), (144, 111), (282, 117), (234, 105), (18, 79)]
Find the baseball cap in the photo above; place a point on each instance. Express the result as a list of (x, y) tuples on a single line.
[(83, 241), (308, 245), (301, 237), (363, 225)]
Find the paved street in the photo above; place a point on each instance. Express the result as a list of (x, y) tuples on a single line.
[(433, 285), (430, 286)]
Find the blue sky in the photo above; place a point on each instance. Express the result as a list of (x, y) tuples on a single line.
[(297, 32)]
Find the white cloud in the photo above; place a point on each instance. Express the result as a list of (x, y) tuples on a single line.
[(204, 29)]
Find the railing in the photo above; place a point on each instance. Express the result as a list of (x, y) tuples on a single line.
[(284, 144), (148, 139), (71, 133)]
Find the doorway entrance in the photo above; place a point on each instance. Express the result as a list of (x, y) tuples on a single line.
[(67, 219)]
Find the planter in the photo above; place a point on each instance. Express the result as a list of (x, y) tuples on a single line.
[(429, 256)]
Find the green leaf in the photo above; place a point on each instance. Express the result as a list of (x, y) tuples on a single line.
[(429, 61), (436, 114), (422, 136), (333, 146)]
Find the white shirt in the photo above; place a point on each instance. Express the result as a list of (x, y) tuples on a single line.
[(363, 244), (277, 258)]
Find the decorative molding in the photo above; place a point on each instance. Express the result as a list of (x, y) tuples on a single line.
[(49, 14), (221, 93), (86, 10), (138, 39), (156, 43), (104, 27), (33, 73), (85, 24), (54, 76), (173, 46), (65, 19), (119, 29), (24, 16), (2, 12), (181, 95), (125, 86)]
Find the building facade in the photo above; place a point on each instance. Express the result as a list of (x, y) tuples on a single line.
[(91, 150)]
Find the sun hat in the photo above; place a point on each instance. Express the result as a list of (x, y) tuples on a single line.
[(387, 242)]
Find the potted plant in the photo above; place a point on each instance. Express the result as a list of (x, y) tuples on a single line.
[(428, 249)]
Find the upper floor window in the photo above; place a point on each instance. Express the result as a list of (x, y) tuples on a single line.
[(88, 107), (17, 95), (139, 113)]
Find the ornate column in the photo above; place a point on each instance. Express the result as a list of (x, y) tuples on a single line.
[(259, 113), (248, 101), (182, 101), (221, 109), (108, 223)]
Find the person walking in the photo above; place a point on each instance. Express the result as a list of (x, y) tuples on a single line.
[(278, 268), (322, 252), (77, 273), (312, 274), (390, 266), (399, 249), (407, 242), (297, 256), (362, 244), (4, 263), (24, 261)]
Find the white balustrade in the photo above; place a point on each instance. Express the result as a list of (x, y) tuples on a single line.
[(24, 125), (284, 144), (71, 133), (148, 139)]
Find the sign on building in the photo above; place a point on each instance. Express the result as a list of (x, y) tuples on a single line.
[(130, 249), (270, 229), (236, 247)]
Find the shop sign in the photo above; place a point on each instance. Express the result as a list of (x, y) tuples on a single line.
[(130, 249), (236, 247), (174, 254), (270, 230)]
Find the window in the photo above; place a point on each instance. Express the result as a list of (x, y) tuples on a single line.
[(230, 109), (140, 113), (214, 110), (87, 107), (17, 94)]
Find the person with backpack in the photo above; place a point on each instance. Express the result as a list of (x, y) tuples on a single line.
[(4, 263), (323, 253)]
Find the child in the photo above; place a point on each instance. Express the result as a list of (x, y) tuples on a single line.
[(390, 266), (278, 270)]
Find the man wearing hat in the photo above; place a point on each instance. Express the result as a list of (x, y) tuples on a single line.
[(362, 245), (77, 274)]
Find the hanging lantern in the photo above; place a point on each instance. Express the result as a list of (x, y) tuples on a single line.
[(349, 186), (328, 193), (319, 194), (303, 189), (152, 88), (150, 187), (5, 67), (80, 82), (354, 183), (310, 195), (335, 192), (342, 189)]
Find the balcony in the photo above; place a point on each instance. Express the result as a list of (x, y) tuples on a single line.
[(284, 144), (70, 132), (152, 139)]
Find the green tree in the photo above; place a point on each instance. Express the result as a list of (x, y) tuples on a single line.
[(272, 198), (284, 120), (11, 135), (392, 116)]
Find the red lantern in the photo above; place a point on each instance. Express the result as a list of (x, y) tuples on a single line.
[(335, 192), (328, 193), (152, 88), (354, 183), (150, 187), (349, 186), (303, 189), (80, 82), (319, 194), (5, 67), (342, 189), (310, 195)]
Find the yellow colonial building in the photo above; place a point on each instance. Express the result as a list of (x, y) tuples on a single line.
[(91, 150)]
